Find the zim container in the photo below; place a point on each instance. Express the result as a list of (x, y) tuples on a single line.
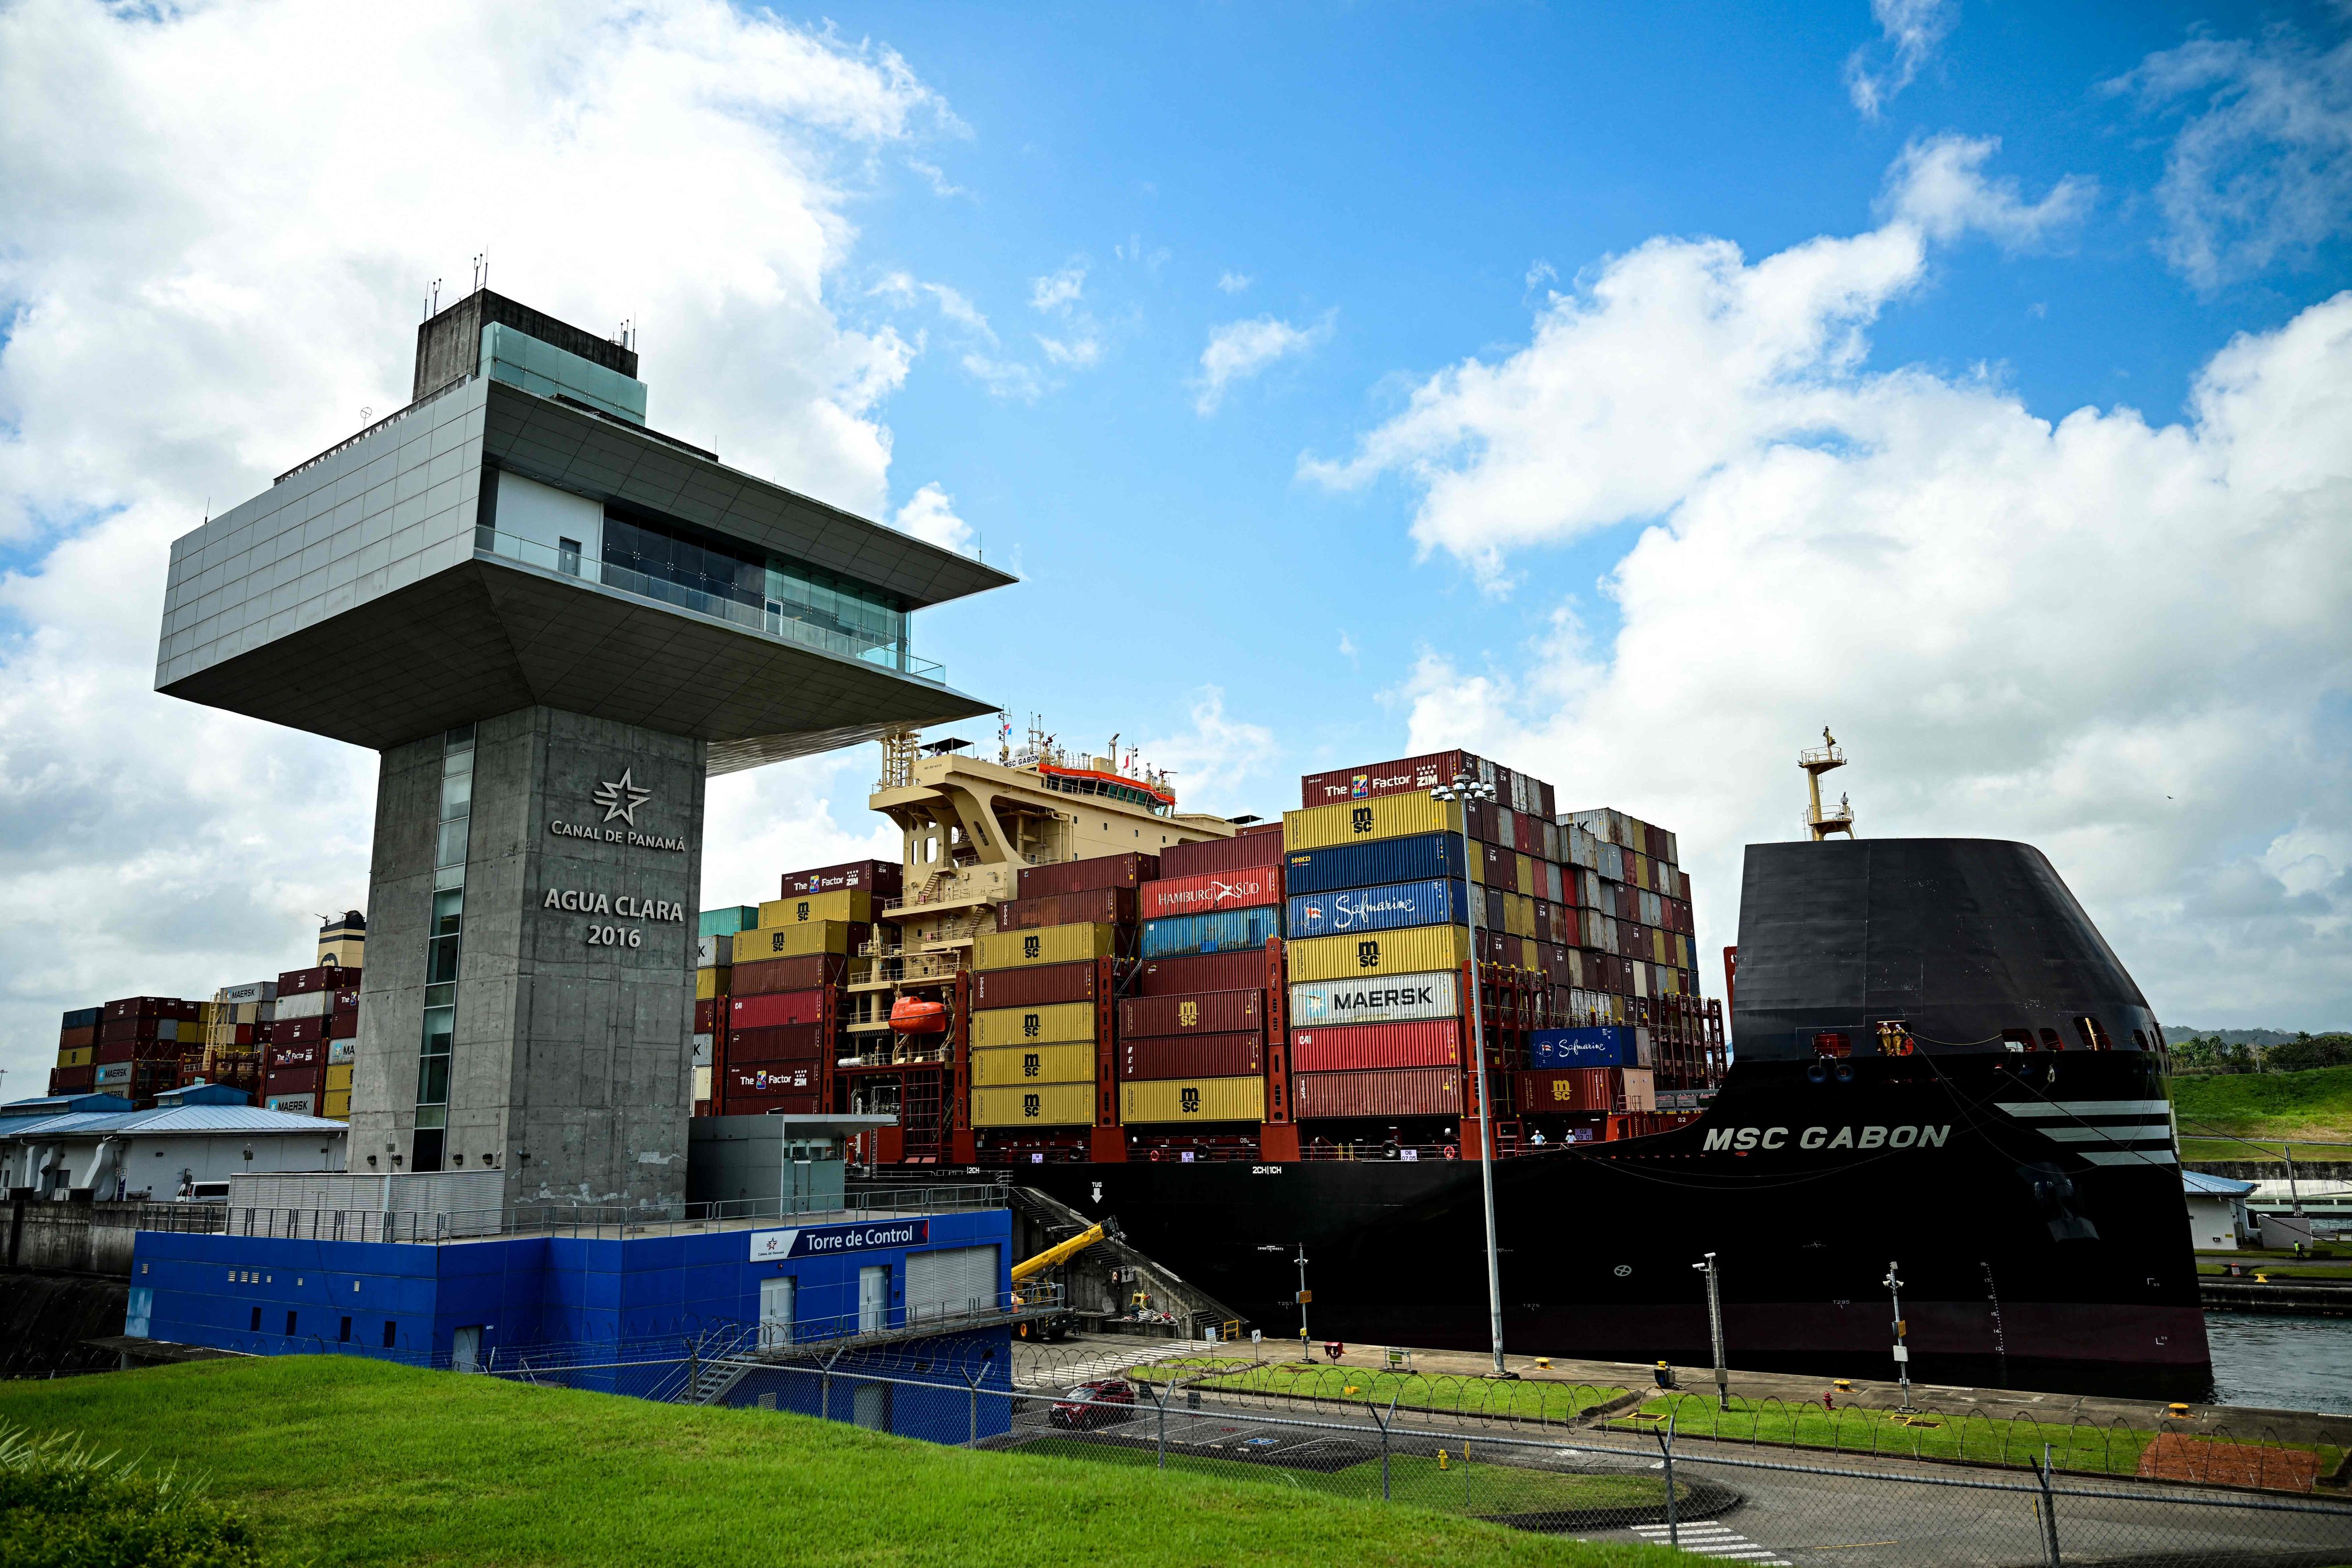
[(1387, 907), (1226, 931), (1042, 1025), (1067, 1062), (1387, 1091), (1196, 1013), (1038, 986), (1103, 906), (1360, 822), (882, 878), (1192, 1057), (835, 937), (1164, 1100), (1212, 891), (1417, 857), (855, 906), (1047, 944), (1044, 1105), (1355, 1048), (1209, 857), (1204, 971), (1422, 772), (772, 1078), (1416, 949), (773, 1009), (1130, 870)]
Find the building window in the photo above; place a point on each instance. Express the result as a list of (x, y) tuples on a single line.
[(388, 1331), (289, 1322), (343, 1335), (444, 937), (255, 1325)]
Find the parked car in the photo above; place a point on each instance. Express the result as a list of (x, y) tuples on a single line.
[(1101, 1403)]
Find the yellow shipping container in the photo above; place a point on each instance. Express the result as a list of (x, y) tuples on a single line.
[(1066, 1063), (1527, 874), (702, 1083), (711, 984), (1034, 1025), (339, 1078), (1518, 914), (1358, 821), (792, 941), (1411, 951), (77, 1056), (845, 904), (1046, 944), (1192, 1099), (1046, 1105), (336, 1105)]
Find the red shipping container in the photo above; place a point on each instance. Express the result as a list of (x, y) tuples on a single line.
[(295, 1080), (803, 974), (1196, 1013), (1038, 987), (1501, 869), (300, 1031), (1203, 1055), (706, 1015), (1395, 1091), (77, 1039), (1128, 871), (884, 879), (771, 1009), (71, 1081), (347, 1000), (1250, 848), (1353, 1047), (116, 1051), (326, 977), (771, 1104), (1096, 906), (143, 1007), (1201, 972), (342, 1026), (307, 1055), (1399, 777), (1571, 1088), (769, 1078), (129, 1028), (1243, 888), (777, 1042)]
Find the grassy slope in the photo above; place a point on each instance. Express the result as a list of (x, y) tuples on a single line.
[(347, 1461), (2315, 1105)]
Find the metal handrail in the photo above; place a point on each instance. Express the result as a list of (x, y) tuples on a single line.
[(394, 417), (439, 1226)]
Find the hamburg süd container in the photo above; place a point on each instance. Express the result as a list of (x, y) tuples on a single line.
[(777, 1007), (1201, 972), (1162, 1101), (1067, 1062), (1385, 1091), (1040, 1025), (1421, 857), (1226, 931), (1039, 986), (1047, 944), (1195, 1013), (853, 905), (1192, 1055), (1386, 908), (799, 941), (1128, 871), (1043, 1105), (1221, 855), (1355, 1048), (1173, 896), (1415, 950), (1359, 822)]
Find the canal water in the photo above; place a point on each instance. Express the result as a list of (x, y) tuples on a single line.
[(2282, 1363)]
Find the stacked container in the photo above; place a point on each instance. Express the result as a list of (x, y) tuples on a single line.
[(76, 1071), (714, 966), (137, 1051), (307, 1044), (786, 995)]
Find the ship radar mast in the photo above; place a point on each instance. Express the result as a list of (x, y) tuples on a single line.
[(1822, 759)]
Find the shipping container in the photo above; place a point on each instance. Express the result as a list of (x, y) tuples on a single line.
[(883, 878), (77, 1056), (1253, 847), (325, 977), (706, 1016), (1415, 950), (71, 1081), (1385, 1091), (1203, 972), (1226, 931), (124, 1008), (111, 1074), (1196, 1013), (803, 974), (1586, 1089), (1355, 1048), (341, 1053), (76, 1038), (1096, 906), (1386, 908), (339, 1076), (1034, 1025), (1405, 773), (305, 1005), (1388, 817), (799, 941), (775, 1008), (1044, 1105), (1127, 870), (91, 1017), (1067, 1062), (305, 1104), (710, 984), (851, 907), (1401, 998), (1049, 945), (1603, 1046), (1192, 1055), (1418, 857), (778, 1043), (335, 1105), (1247, 886), (1161, 1101), (714, 952), (767, 1077), (728, 920), (1038, 986)]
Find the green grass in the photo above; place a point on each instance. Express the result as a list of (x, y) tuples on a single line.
[(1522, 1399), (340, 1460), (2264, 1108)]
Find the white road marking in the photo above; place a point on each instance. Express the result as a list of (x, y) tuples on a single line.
[(1709, 1539)]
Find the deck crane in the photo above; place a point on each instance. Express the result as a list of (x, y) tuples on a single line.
[(1054, 1327)]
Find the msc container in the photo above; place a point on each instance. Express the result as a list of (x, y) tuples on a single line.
[(781, 1042), (1100, 906), (1067, 1062), (1044, 1105), (1203, 972), (1418, 857), (1386, 908), (773, 1009), (1385, 1091), (1222, 857), (714, 952), (1161, 1100), (799, 941), (805, 973), (1416, 949), (1356, 1047), (772, 1078), (1226, 931), (1603, 1046), (884, 879), (1422, 772), (1192, 1055), (1243, 888), (728, 920), (1587, 1089), (1039, 986), (1047, 944), (1198, 1013), (1034, 1025), (1130, 870), (852, 905), (1358, 822)]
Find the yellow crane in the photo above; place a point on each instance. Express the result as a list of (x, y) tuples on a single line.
[(1056, 1326)]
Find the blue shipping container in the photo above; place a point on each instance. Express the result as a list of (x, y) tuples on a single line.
[(1610, 1046), (1422, 856), (1221, 931), (1377, 909)]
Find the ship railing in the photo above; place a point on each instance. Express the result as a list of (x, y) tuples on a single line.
[(610, 1220), (1367, 1150)]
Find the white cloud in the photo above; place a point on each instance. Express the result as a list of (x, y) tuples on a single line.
[(929, 515), (217, 234), (1910, 31), (1541, 272), (1075, 354), (1003, 378), (2020, 628), (2263, 170), (1215, 758), (1937, 185), (1240, 349), (954, 305), (937, 178), (1233, 282), (1346, 647), (1057, 293), (773, 820)]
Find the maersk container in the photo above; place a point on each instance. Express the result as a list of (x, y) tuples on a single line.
[(1605, 1047), (1192, 1055), (1420, 857), (1390, 1091), (1358, 822), (1041, 1024), (1044, 1105), (1222, 930), (1065, 1062), (1415, 950), (1385, 908), (1192, 1099), (1354, 1048), (1193, 1013), (714, 952)]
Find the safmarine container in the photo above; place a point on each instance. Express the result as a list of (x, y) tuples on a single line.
[(798, 941), (805, 973), (1357, 821), (777, 1007), (1203, 972), (1221, 855), (1064, 1063), (783, 1043), (1034, 1025), (1418, 857), (1604, 1046), (1161, 1101), (1049, 945), (1390, 1091), (853, 905), (1040, 986), (1130, 870), (1044, 1105), (1192, 1055), (1415, 950), (1353, 1047), (1388, 908), (1195, 1013), (1099, 906), (1170, 897), (1226, 931)]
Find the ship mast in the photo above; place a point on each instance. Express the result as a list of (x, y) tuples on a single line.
[(1822, 759)]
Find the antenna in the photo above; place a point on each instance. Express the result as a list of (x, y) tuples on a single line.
[(434, 308)]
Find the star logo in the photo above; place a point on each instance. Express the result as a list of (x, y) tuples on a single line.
[(621, 798)]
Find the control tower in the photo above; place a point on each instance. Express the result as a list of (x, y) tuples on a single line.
[(555, 623)]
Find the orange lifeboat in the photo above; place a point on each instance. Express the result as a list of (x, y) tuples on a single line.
[(913, 1016)]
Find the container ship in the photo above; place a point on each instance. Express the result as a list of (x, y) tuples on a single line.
[(1253, 1039)]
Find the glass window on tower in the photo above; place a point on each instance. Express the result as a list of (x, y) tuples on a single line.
[(443, 935)]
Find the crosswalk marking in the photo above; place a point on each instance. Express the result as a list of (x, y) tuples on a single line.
[(1709, 1539)]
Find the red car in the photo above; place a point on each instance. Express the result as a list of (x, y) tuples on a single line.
[(1095, 1404)]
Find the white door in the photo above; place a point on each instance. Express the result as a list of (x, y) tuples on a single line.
[(776, 1299), (466, 1348), (873, 1299), (951, 1281), (870, 1407)]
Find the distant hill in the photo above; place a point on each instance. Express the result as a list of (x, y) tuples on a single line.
[(2230, 1036)]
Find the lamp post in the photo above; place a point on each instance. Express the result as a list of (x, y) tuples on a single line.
[(1467, 788), (1302, 1342), (1902, 1351), (1715, 1333)]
